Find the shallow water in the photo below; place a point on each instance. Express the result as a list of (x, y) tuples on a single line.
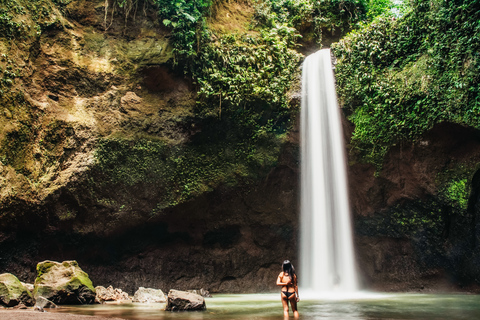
[(268, 307)]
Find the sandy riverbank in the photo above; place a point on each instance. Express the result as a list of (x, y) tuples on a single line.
[(15, 314)]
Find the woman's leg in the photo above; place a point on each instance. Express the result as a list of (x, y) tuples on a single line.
[(293, 303), (285, 305)]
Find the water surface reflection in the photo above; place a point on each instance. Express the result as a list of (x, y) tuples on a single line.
[(268, 307)]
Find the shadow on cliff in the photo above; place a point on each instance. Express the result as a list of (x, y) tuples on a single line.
[(413, 231)]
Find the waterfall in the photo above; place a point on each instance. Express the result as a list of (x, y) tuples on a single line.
[(326, 248)]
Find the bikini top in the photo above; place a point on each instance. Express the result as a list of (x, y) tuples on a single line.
[(294, 282)]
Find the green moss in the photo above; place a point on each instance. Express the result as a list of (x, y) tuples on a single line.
[(8, 27), (454, 185), (44, 267), (181, 172), (409, 219), (12, 291), (457, 192), (78, 277), (78, 280)]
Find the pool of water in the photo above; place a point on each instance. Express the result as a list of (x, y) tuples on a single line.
[(268, 307)]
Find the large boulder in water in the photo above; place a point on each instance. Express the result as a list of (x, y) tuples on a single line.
[(63, 283), (149, 295), (13, 292), (184, 301)]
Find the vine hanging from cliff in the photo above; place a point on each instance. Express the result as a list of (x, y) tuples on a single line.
[(129, 8)]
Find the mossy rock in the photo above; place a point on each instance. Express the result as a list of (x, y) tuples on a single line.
[(63, 283), (13, 292)]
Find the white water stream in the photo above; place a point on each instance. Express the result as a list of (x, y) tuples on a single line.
[(327, 261)]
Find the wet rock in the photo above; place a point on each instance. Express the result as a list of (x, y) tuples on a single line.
[(184, 301), (29, 286), (42, 303), (204, 293), (39, 309), (63, 283), (149, 295), (21, 306), (110, 294), (13, 292)]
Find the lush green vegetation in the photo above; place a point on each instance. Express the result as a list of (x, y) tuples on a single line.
[(187, 21), (181, 172), (397, 78), (242, 108), (455, 186), (8, 27)]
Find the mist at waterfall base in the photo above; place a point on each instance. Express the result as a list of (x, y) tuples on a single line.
[(327, 264)]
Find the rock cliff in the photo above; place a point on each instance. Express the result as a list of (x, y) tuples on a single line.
[(105, 159), (99, 128), (414, 231)]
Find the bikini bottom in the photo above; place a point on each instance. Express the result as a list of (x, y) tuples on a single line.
[(288, 294)]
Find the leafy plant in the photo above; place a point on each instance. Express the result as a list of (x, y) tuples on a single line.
[(180, 172), (186, 18), (397, 78), (457, 192), (8, 27), (243, 72)]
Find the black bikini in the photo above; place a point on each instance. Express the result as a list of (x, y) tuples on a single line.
[(286, 293)]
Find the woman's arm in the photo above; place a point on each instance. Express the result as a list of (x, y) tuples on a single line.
[(280, 280), (296, 289)]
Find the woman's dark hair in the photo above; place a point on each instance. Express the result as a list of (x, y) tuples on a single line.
[(289, 269)]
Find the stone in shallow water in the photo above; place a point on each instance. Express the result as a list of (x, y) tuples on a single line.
[(149, 295), (111, 294), (42, 303), (13, 292), (63, 283), (184, 301)]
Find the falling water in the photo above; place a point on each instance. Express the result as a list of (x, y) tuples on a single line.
[(326, 251)]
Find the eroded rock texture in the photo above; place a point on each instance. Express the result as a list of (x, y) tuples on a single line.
[(412, 234)]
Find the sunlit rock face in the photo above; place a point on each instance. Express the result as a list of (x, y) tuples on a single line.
[(63, 283), (91, 74), (13, 292)]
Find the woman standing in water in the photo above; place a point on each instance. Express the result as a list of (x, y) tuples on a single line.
[(287, 279)]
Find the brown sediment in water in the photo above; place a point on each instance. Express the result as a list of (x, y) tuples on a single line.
[(9, 314)]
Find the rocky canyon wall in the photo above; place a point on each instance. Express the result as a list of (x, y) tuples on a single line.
[(99, 127), (413, 231)]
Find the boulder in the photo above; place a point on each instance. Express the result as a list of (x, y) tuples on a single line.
[(149, 295), (13, 292), (63, 283), (184, 301), (29, 286), (42, 303), (110, 294)]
